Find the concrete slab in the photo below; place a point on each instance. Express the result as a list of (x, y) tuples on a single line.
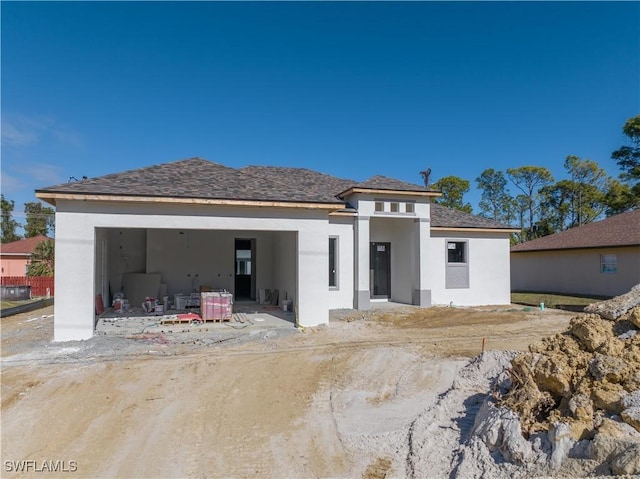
[(246, 316)]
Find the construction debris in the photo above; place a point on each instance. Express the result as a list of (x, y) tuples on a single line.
[(572, 403)]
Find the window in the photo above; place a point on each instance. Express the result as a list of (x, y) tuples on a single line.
[(410, 208), (457, 267), (333, 262), (379, 207), (243, 261), (456, 252), (395, 207), (608, 263)]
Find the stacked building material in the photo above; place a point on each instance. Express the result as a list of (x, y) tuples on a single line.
[(216, 306)]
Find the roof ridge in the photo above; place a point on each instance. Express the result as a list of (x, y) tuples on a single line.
[(140, 169)]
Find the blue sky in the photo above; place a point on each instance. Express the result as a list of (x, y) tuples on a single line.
[(352, 89)]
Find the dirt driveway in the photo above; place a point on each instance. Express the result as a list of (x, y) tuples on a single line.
[(331, 401)]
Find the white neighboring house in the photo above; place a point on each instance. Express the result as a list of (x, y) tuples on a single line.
[(600, 259), (327, 242)]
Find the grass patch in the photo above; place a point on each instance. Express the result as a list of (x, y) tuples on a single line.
[(553, 300), (5, 304)]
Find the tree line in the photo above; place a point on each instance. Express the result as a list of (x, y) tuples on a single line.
[(40, 220), (538, 205)]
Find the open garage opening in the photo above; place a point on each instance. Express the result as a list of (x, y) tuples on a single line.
[(258, 268)]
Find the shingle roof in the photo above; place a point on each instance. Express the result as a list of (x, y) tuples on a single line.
[(619, 230), (199, 178), (203, 179), (386, 183), (307, 185), (442, 216), (23, 246)]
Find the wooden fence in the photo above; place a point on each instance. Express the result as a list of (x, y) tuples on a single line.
[(39, 284)]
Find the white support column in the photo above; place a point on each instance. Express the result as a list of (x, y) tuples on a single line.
[(74, 308), (422, 286), (313, 275), (362, 294)]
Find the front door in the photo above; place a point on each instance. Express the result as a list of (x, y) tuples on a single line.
[(380, 270), (245, 269)]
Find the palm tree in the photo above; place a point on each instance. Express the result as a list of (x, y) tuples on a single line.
[(42, 260)]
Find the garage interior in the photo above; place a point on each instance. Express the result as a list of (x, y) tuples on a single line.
[(179, 269)]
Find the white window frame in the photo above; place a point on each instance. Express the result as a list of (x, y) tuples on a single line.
[(608, 263)]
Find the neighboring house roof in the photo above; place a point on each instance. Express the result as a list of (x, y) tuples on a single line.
[(24, 246), (619, 230), (445, 217)]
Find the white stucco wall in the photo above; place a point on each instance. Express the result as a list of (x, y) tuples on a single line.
[(575, 271), (343, 229), (181, 254), (284, 261), (409, 278), (75, 276), (489, 279), (127, 253), (365, 204), (77, 222)]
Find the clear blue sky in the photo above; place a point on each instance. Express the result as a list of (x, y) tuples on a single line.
[(350, 89)]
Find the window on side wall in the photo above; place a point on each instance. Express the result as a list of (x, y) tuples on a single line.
[(608, 263), (333, 262), (456, 252)]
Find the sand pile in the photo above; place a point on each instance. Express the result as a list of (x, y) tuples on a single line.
[(571, 405)]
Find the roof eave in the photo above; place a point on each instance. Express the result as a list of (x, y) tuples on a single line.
[(45, 196), (51, 198), (480, 229), (570, 248)]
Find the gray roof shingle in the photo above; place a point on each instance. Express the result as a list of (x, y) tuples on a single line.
[(198, 178), (307, 185), (386, 183), (203, 179), (618, 230), (442, 216)]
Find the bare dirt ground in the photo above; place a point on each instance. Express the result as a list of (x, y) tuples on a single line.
[(332, 401)]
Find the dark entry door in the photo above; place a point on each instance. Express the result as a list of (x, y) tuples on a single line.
[(380, 266), (244, 268)]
